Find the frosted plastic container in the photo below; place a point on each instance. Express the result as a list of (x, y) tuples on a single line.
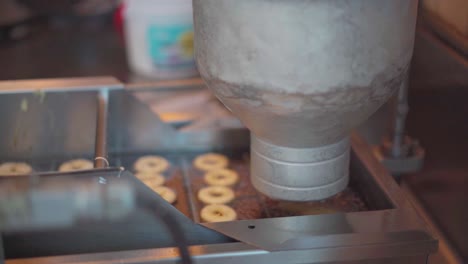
[(159, 38)]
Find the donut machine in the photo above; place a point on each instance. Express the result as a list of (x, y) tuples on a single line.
[(106, 215)]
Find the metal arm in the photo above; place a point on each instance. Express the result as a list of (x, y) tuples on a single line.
[(400, 153), (402, 109)]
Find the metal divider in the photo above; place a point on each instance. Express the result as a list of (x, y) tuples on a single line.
[(184, 164)]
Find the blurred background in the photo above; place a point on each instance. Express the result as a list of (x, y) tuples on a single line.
[(76, 38), (97, 37)]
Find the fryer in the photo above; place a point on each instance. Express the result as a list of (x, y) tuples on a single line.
[(371, 221)]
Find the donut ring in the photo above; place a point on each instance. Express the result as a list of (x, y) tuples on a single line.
[(216, 195), (211, 161), (155, 164), (222, 177), (151, 179), (14, 168), (217, 213), (166, 193), (76, 165)]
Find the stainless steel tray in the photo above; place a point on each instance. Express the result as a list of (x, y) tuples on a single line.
[(73, 114)]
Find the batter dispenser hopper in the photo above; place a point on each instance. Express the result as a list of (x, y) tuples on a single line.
[(301, 75)]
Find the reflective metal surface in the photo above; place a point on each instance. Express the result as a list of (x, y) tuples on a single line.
[(59, 85), (312, 173), (92, 216), (334, 230), (134, 127), (389, 233), (22, 114), (332, 65), (236, 253), (60, 200), (66, 111)]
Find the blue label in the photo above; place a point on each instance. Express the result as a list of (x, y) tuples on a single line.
[(171, 46)]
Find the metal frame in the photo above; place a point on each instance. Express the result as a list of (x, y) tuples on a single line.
[(241, 253), (392, 233), (59, 85)]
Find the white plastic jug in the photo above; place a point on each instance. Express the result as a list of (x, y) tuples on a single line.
[(159, 38)]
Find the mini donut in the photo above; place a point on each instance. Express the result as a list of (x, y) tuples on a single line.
[(14, 168), (153, 164), (210, 161), (221, 177), (154, 179), (153, 184), (166, 193), (216, 195), (217, 213), (76, 165)]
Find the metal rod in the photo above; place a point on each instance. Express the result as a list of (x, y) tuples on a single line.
[(400, 120), (100, 147)]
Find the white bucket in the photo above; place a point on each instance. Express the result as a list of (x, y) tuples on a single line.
[(159, 38)]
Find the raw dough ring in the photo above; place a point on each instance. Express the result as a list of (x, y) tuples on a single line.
[(211, 161), (14, 168), (216, 195), (153, 164), (222, 177), (76, 165), (166, 193), (218, 213), (151, 179)]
